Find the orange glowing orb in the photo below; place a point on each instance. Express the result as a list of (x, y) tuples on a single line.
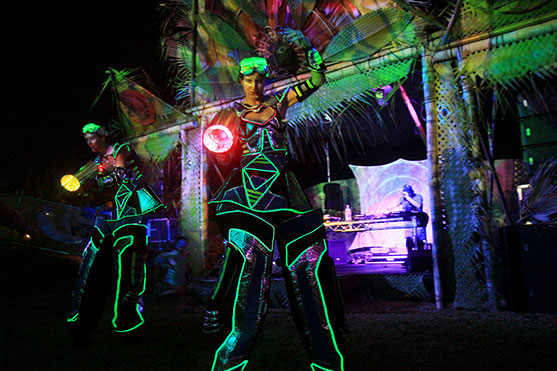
[(70, 183)]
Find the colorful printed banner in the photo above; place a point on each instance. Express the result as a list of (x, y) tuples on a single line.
[(147, 119), (141, 111)]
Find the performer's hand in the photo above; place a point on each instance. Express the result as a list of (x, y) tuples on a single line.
[(295, 36)]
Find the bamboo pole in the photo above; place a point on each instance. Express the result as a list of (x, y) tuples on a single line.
[(485, 220), (483, 41), (433, 171), (486, 40)]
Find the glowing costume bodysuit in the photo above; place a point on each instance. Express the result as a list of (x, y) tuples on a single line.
[(118, 243), (261, 207)]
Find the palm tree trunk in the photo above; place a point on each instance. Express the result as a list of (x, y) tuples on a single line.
[(433, 169)]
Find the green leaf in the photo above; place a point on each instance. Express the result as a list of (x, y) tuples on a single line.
[(221, 32), (366, 35)]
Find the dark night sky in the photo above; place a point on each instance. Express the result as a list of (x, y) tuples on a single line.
[(57, 56)]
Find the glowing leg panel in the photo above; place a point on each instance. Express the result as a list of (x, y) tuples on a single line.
[(310, 310), (307, 297), (252, 295), (131, 247), (92, 287)]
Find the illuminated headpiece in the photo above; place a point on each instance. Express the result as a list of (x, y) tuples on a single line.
[(95, 129), (254, 64)]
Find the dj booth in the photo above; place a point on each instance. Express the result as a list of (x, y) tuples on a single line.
[(340, 234)]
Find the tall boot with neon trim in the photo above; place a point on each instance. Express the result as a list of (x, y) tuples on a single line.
[(131, 250), (251, 300), (311, 310), (92, 287), (315, 310)]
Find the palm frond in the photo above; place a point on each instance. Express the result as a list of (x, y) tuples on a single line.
[(254, 9), (367, 35), (222, 32), (540, 204)]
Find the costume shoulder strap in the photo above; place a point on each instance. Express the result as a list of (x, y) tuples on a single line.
[(116, 148), (279, 96)]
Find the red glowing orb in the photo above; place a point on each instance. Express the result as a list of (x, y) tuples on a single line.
[(218, 138)]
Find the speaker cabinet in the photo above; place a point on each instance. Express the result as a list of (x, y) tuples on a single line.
[(338, 251), (538, 137), (536, 154), (530, 267), (419, 261), (333, 196)]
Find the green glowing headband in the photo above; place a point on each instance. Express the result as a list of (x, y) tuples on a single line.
[(257, 64), (94, 129)]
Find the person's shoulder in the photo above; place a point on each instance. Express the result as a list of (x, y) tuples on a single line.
[(226, 116)]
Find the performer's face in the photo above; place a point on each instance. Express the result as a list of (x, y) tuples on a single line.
[(95, 142), (253, 85)]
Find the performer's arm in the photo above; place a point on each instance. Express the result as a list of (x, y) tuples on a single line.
[(415, 202), (304, 89), (119, 172)]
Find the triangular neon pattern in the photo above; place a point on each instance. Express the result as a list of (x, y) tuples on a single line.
[(260, 164), (146, 200), (121, 198), (283, 94)]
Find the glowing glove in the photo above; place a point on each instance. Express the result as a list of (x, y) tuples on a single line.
[(115, 177)]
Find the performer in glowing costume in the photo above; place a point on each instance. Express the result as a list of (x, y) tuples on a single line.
[(261, 207), (118, 242)]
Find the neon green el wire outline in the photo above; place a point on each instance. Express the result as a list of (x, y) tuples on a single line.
[(118, 147), (226, 261), (244, 363), (121, 203), (221, 277), (283, 95), (74, 318), (265, 132), (143, 213), (259, 211), (302, 253), (236, 229), (267, 184), (326, 310), (316, 367), (120, 278)]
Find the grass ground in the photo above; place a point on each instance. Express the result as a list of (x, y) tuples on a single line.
[(383, 335)]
